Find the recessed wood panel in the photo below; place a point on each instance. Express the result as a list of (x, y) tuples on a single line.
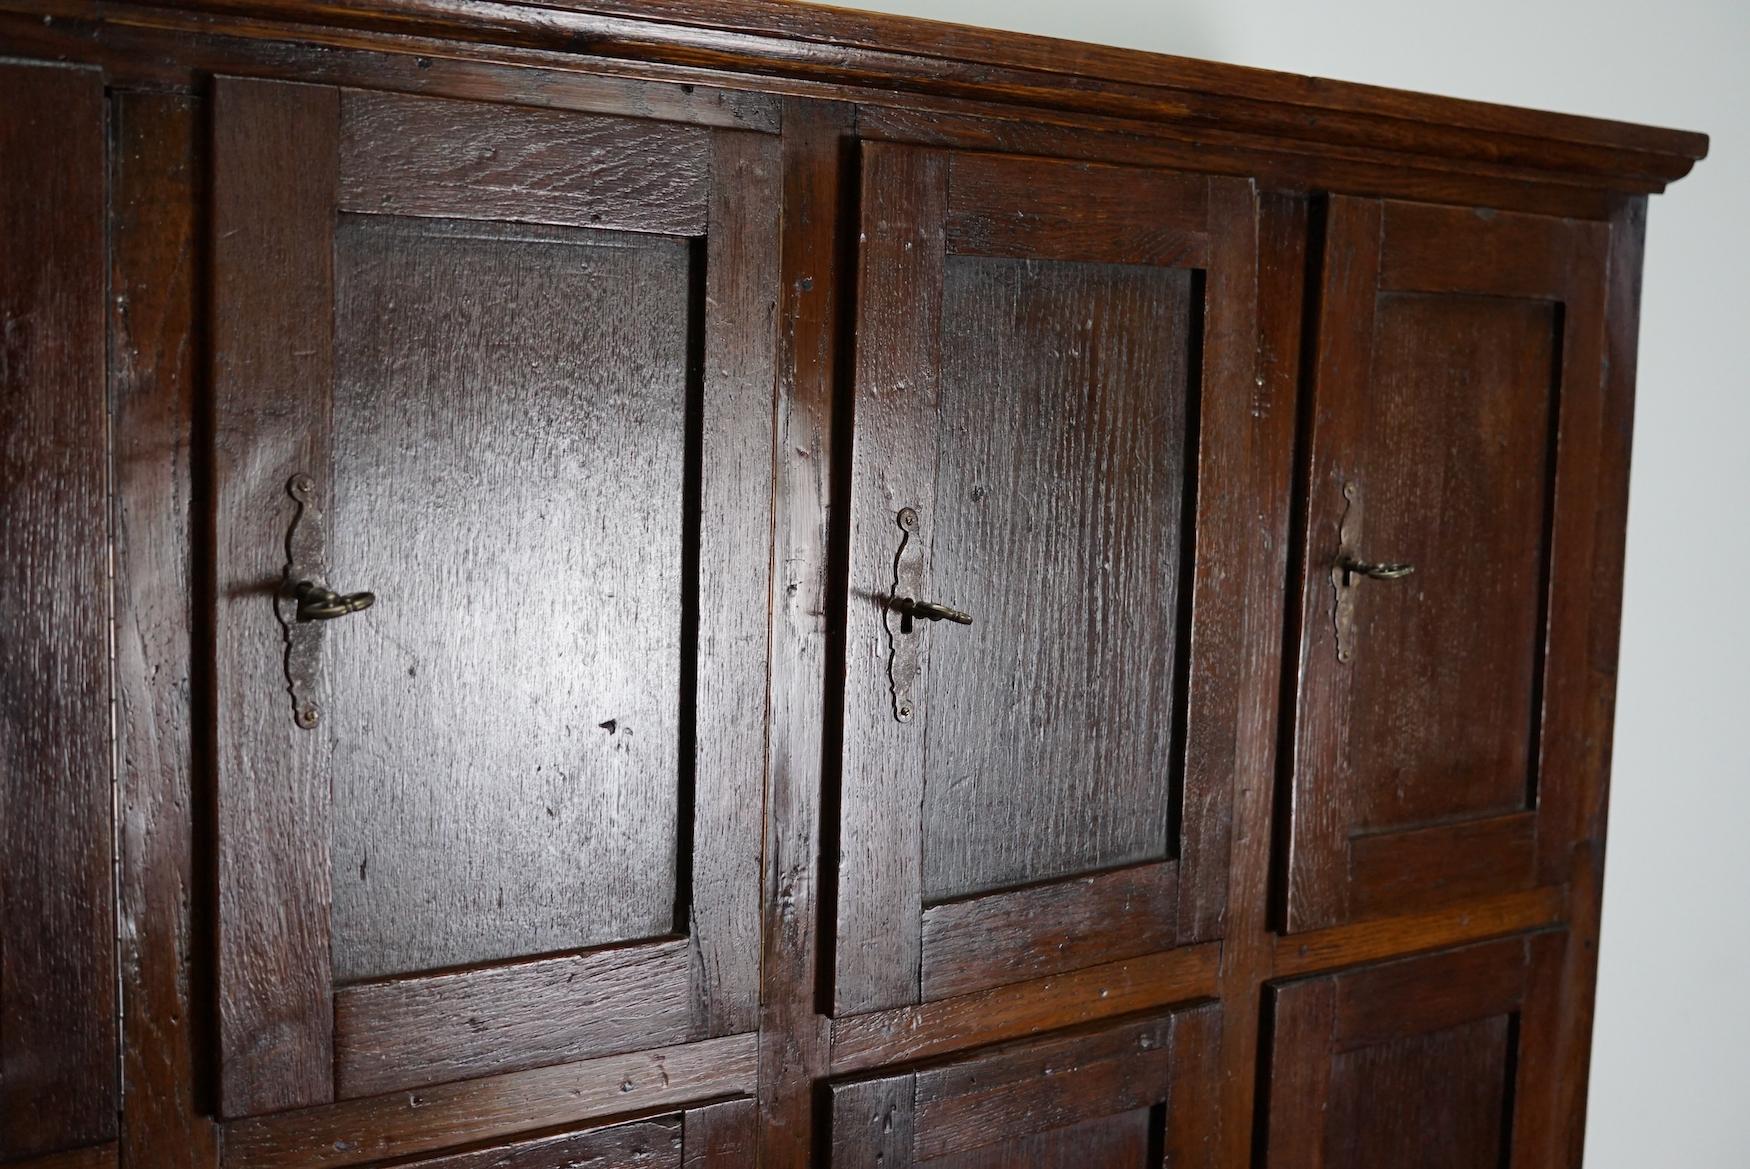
[(509, 479), (1113, 1097), (1442, 1060), (1436, 1101), (1450, 473), (1059, 489), (1111, 1142)]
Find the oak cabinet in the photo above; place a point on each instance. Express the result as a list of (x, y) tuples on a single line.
[(659, 584)]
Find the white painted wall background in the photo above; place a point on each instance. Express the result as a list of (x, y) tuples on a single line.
[(1671, 1058)]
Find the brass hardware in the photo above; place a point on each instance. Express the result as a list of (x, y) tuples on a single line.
[(302, 603), (1347, 566), (930, 611), (316, 603), (905, 646), (1352, 568)]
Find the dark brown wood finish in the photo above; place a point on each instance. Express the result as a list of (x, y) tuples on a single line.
[(468, 803), (57, 900), (597, 325), (1054, 1102), (270, 219), (1442, 1060), (1036, 418), (794, 1038), (1454, 428), (157, 176), (489, 1108)]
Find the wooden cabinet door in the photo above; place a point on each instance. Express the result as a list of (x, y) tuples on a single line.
[(1443, 1062), (1122, 1098), (1036, 343), (510, 371), (1450, 495)]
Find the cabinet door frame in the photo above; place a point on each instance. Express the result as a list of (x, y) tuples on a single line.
[(1166, 1064), (1331, 873), (289, 158), (919, 206), (1316, 1019)]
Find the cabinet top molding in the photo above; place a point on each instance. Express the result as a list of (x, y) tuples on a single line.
[(794, 48)]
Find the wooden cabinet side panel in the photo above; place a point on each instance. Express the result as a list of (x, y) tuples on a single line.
[(57, 923)]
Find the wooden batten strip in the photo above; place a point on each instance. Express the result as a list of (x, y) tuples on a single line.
[(402, 1124), (430, 1029), (1369, 941), (1026, 1008), (979, 942)]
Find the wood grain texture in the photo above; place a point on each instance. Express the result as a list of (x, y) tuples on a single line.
[(1041, 1099), (1586, 860), (1263, 469), (1193, 1115), (731, 659), (787, 48), (1480, 251), (57, 898), (979, 942), (1028, 208), (721, 1136), (1113, 1142), (1059, 481), (1447, 1089), (651, 1144), (897, 365), (505, 722), (1443, 1059), (479, 160), (1012, 1012), (1441, 685), (1402, 872), (1368, 941), (103, 1156), (273, 165), (1245, 413), (1475, 902), (1453, 728), (794, 1042), (873, 1126), (961, 1107), (405, 1124), (644, 1145), (158, 172), (1214, 150), (407, 1032)]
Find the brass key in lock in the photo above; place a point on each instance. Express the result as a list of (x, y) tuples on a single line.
[(930, 611), (316, 603)]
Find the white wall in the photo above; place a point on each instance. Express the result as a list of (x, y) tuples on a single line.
[(1671, 1061)]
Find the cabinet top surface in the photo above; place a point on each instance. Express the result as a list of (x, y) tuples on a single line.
[(789, 47)]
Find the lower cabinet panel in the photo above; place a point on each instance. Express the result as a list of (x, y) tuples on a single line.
[(1443, 1062), (717, 1135), (1119, 1097)]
